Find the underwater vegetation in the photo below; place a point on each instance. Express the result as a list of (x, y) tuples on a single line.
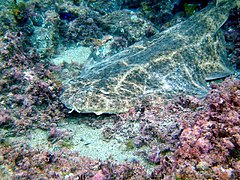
[(186, 138), (20, 12), (29, 92), (204, 144), (190, 138), (210, 143), (189, 9)]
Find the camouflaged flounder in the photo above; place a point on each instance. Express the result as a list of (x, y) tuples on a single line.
[(172, 62)]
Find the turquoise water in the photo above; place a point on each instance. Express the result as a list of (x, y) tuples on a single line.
[(44, 44)]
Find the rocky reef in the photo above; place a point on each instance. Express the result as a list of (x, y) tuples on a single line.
[(185, 137)]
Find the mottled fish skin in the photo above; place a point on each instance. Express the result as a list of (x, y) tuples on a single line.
[(172, 62), (217, 76)]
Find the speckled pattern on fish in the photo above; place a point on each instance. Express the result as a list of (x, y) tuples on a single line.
[(172, 62)]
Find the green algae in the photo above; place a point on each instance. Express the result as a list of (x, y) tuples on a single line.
[(190, 9), (130, 144)]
